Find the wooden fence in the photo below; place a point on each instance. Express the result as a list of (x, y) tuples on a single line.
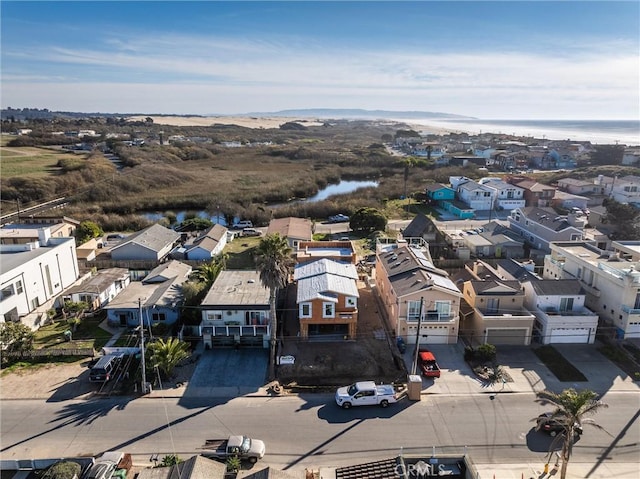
[(40, 353)]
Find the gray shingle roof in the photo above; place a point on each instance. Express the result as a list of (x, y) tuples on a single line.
[(155, 237), (100, 281), (557, 287)]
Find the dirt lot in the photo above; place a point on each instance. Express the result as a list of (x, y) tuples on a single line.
[(333, 363)]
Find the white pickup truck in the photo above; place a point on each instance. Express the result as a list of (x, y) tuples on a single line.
[(365, 393)]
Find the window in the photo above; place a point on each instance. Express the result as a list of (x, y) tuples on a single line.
[(413, 311), (19, 288), (214, 315), (328, 310), (493, 305), (350, 301), (158, 317), (7, 291), (566, 304), (305, 310), (255, 318), (444, 309), (636, 304)]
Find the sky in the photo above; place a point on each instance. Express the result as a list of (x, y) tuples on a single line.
[(490, 60)]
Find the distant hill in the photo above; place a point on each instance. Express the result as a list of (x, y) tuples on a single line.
[(364, 114)]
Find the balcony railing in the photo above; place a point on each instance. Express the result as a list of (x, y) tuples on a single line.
[(236, 330), (630, 310)]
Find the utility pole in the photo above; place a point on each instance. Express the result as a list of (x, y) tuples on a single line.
[(144, 371), (414, 366)]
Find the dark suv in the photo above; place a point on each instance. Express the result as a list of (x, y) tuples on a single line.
[(554, 425)]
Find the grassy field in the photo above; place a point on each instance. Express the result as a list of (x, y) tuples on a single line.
[(30, 162)]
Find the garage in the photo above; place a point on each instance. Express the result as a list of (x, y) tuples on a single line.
[(570, 335), (430, 335), (514, 336)]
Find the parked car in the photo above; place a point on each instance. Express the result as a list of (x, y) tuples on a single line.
[(428, 364), (242, 447), (554, 425), (104, 369), (365, 393), (251, 232), (340, 218), (105, 466), (243, 224)]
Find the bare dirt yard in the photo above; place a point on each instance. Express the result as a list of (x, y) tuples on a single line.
[(327, 363)]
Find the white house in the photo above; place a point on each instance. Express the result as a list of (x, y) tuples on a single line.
[(478, 197), (34, 275), (100, 288), (561, 316), (507, 196)]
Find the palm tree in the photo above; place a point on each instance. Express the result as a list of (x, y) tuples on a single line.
[(273, 261), (571, 407), (165, 355), (207, 273)]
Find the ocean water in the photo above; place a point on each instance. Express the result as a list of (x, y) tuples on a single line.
[(623, 132)]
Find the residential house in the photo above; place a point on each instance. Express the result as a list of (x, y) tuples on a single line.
[(631, 156), (494, 312), (207, 245), (611, 282), (478, 197), (420, 300), (576, 187), (28, 230), (34, 275), (558, 305), (343, 251), (494, 241), (158, 297), (437, 192), (421, 227), (507, 196), (100, 288), (623, 190), (466, 160), (629, 250), (236, 311), (153, 243), (569, 201), (540, 226), (534, 193), (429, 149), (292, 228), (327, 298)]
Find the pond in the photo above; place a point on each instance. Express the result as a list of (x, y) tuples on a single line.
[(338, 189)]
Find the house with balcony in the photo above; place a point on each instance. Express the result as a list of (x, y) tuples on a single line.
[(100, 288), (34, 276), (236, 311), (534, 193), (342, 251), (478, 197), (610, 279), (293, 229), (541, 226), (493, 310), (156, 299), (419, 300), (507, 196), (327, 298)]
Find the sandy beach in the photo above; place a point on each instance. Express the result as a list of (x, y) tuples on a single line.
[(247, 122)]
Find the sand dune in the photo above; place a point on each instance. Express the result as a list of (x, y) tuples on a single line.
[(247, 122)]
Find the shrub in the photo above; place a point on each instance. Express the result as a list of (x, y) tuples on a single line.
[(469, 353), (63, 470), (486, 352)]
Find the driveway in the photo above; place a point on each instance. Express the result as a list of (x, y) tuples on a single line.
[(228, 372)]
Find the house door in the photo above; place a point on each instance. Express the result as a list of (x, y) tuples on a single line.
[(123, 319)]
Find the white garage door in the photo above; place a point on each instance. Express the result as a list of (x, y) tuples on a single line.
[(507, 336), (570, 335), (435, 335)]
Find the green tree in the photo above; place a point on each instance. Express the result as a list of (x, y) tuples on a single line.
[(88, 230), (194, 224), (165, 355), (15, 336), (571, 410), (368, 220), (207, 273), (169, 460), (624, 218), (274, 263)]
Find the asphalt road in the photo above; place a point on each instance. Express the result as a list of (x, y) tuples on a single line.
[(310, 430)]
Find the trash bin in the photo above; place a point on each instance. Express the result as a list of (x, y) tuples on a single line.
[(414, 387)]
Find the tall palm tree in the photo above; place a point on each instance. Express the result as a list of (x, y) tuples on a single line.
[(274, 262), (165, 355), (571, 409)]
